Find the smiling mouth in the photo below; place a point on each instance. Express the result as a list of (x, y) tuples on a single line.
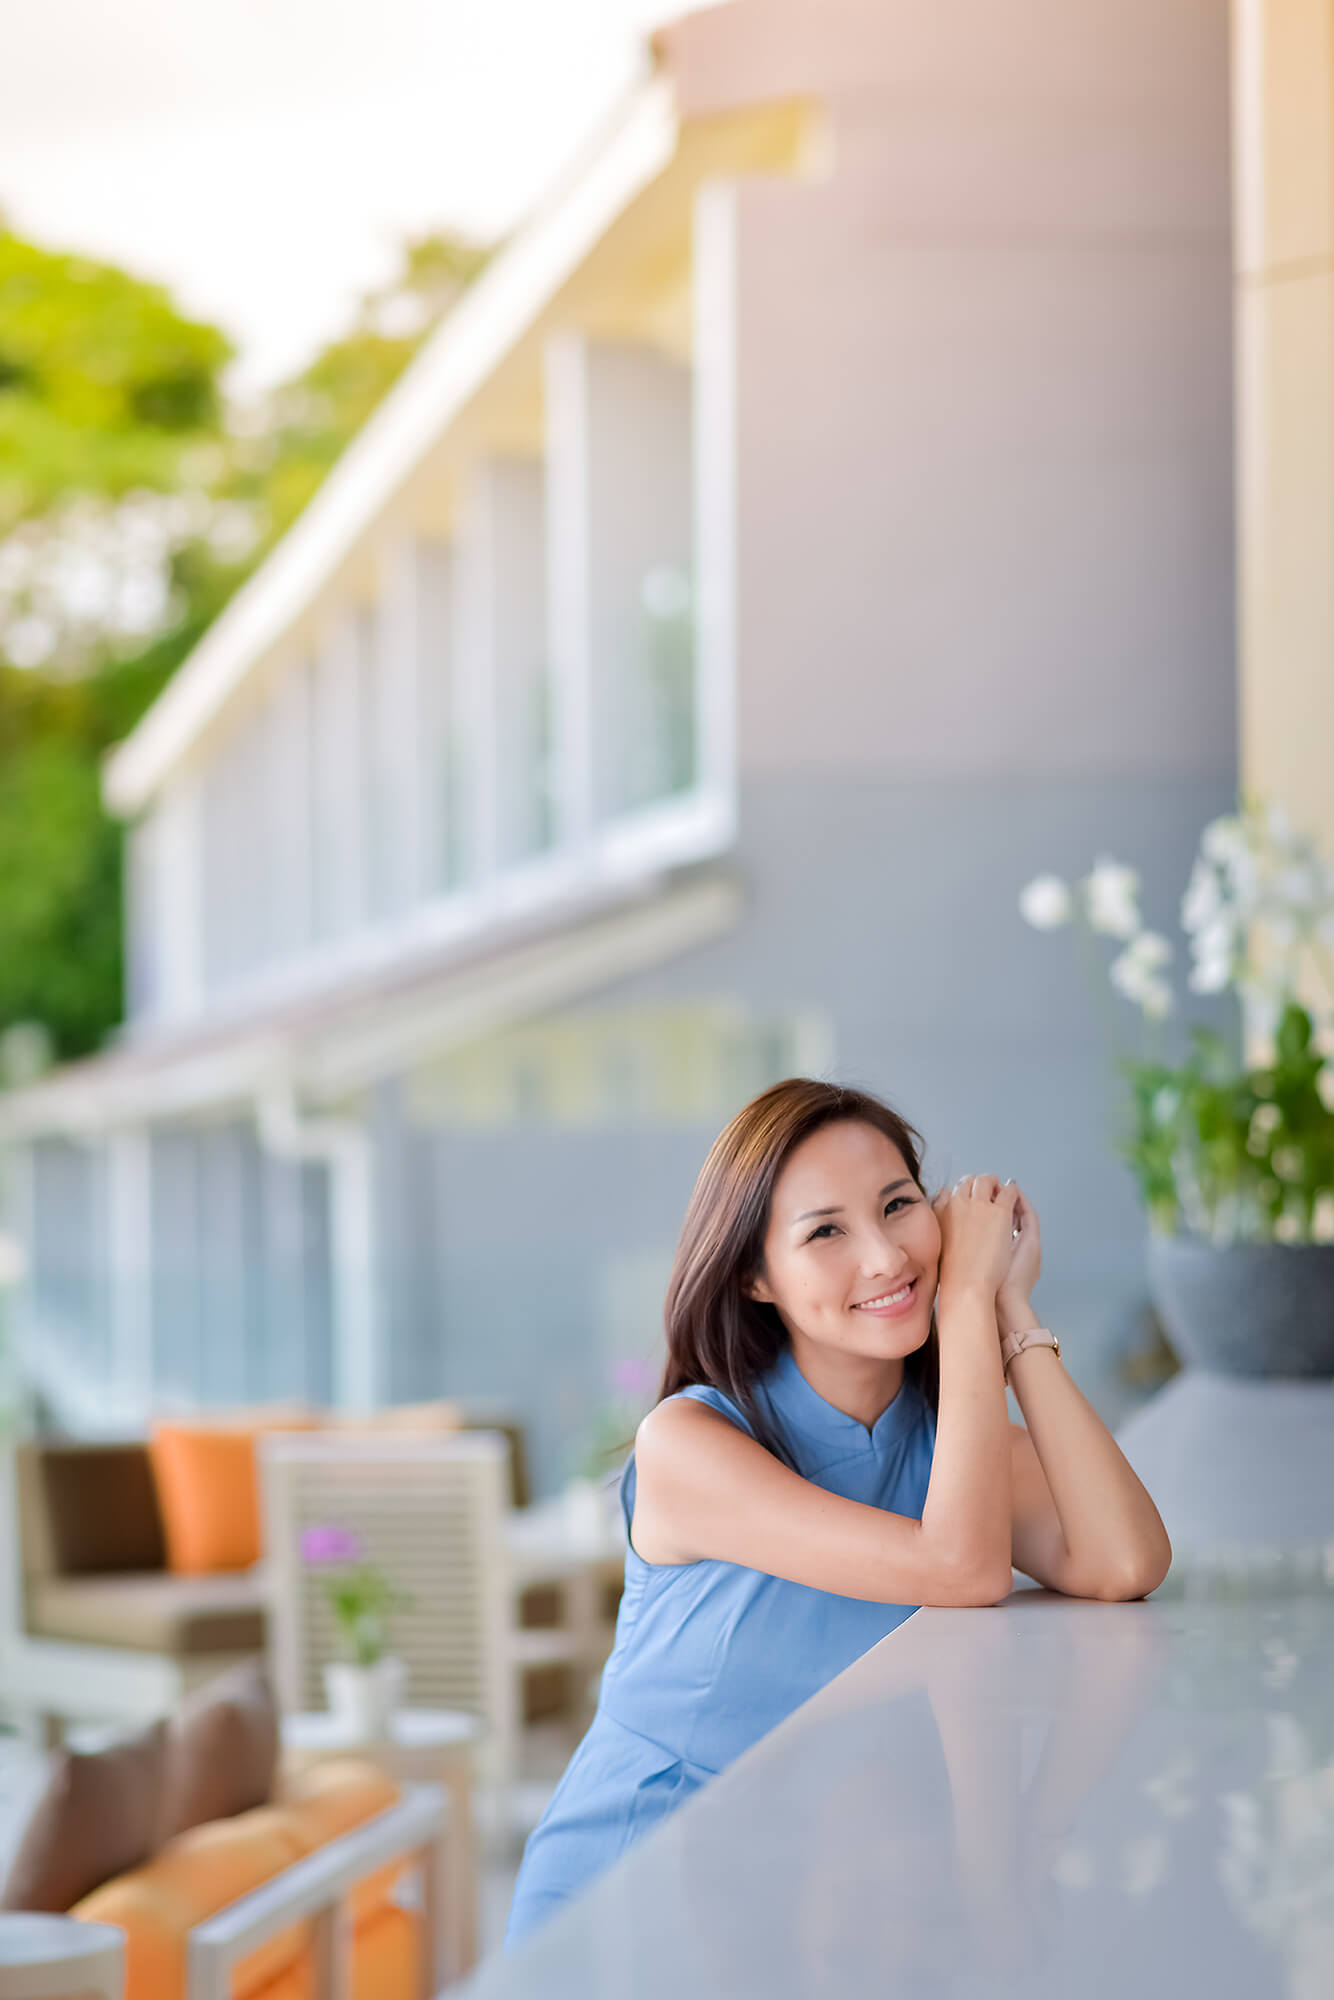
[(888, 1301)]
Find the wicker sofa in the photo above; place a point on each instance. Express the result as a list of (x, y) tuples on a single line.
[(235, 1873), (93, 1622)]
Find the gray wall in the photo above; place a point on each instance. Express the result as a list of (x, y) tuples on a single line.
[(983, 443)]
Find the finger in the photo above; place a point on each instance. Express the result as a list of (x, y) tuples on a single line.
[(985, 1187)]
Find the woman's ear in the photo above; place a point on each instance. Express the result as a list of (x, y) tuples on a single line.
[(755, 1288)]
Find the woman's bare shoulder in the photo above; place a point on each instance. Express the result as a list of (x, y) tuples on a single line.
[(671, 1443)]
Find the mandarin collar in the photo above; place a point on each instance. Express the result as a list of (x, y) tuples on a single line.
[(801, 1405)]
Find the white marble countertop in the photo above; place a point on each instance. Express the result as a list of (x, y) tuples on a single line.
[(1044, 1798)]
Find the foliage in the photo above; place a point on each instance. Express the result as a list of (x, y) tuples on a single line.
[(1224, 1150), (1236, 1154), (133, 502), (104, 385)]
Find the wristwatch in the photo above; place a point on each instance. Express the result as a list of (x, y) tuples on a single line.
[(1026, 1336)]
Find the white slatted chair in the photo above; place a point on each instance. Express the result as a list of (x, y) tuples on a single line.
[(431, 1511)]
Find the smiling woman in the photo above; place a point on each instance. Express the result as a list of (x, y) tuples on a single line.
[(830, 1449)]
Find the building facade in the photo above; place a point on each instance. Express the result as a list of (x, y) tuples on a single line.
[(814, 523)]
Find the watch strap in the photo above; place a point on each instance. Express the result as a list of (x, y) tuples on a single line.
[(1027, 1336)]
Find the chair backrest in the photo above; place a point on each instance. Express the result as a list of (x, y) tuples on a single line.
[(430, 1512)]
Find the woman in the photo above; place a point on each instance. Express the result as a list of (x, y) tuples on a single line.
[(830, 1449)]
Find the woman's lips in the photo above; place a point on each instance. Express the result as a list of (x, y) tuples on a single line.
[(894, 1311)]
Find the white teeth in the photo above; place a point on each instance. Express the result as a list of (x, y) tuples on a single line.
[(889, 1299)]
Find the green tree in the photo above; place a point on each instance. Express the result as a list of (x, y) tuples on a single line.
[(104, 385), (115, 434)]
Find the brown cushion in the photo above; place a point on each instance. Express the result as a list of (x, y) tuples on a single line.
[(99, 1815), (157, 1613), (101, 1508), (222, 1749)]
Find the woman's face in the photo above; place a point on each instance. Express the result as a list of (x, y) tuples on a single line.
[(824, 1272)]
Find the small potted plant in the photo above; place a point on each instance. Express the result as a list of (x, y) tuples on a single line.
[(365, 1690), (1234, 1159)]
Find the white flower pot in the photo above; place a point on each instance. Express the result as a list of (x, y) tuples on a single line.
[(365, 1698)]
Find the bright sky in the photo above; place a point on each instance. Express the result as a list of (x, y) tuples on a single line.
[(263, 158)]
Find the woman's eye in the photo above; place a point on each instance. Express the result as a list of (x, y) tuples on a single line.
[(906, 1199)]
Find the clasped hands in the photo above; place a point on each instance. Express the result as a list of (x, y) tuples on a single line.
[(1021, 1271)]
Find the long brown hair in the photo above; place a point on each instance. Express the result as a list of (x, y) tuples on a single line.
[(715, 1334)]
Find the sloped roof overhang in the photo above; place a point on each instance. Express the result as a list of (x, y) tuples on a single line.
[(326, 1053), (566, 265), (494, 313)]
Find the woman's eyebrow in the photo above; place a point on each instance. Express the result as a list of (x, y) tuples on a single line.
[(888, 1188)]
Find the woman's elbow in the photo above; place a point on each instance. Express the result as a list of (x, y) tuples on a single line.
[(1135, 1577), (973, 1586)]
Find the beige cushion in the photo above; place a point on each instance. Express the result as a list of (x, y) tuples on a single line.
[(153, 1612)]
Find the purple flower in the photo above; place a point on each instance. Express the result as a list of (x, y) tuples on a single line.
[(330, 1545), (633, 1377)]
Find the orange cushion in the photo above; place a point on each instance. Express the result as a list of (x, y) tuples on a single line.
[(209, 1497), (208, 1489), (297, 1983), (332, 1798), (329, 1798), (205, 1869), (192, 1877), (387, 1956), (386, 1961)]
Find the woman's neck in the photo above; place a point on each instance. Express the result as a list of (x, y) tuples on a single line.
[(861, 1385)]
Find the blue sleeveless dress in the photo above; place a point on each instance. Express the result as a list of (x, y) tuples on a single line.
[(709, 1656)]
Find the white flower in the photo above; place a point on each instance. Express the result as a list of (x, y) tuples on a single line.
[(1298, 886), (1109, 897), (1133, 975), (1045, 903), (1149, 950), (1223, 840), (1203, 898), (1210, 975)]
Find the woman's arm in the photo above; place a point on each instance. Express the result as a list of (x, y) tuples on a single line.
[(1082, 1522)]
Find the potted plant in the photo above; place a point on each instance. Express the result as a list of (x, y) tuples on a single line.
[(365, 1690), (1234, 1159)]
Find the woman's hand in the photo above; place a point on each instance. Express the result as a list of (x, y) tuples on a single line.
[(1016, 1286), (977, 1242)]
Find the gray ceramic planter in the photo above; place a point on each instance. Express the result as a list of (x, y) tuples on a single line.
[(1258, 1309)]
